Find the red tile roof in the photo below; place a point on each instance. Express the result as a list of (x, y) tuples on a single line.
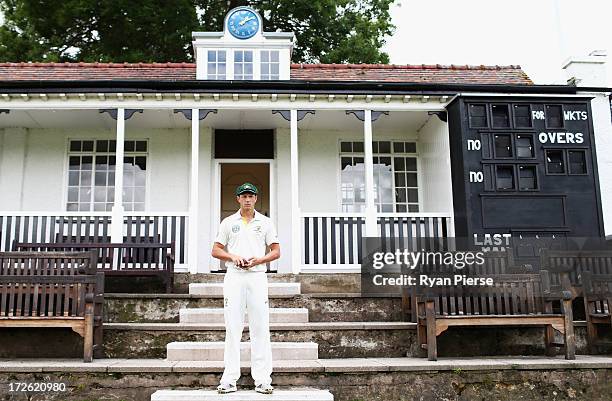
[(451, 74)]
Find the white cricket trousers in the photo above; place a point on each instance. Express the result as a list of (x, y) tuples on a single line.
[(244, 290)]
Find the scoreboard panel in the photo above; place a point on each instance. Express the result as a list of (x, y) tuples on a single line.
[(524, 167)]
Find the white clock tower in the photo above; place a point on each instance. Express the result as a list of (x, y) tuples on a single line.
[(243, 51)]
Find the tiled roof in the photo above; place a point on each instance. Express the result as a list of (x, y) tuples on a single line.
[(451, 74), (454, 74)]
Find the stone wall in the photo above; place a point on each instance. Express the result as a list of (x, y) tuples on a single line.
[(455, 385)]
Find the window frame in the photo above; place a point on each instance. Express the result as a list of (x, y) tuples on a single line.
[(269, 63), (512, 147), (507, 105), (563, 159), (392, 155), (535, 177), (486, 116), (514, 177), (546, 115), (514, 124), (533, 147), (66, 182), (243, 63), (586, 164), (216, 63)]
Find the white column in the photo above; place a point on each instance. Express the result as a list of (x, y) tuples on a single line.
[(117, 211), (296, 239), (371, 229), (600, 108), (12, 168), (194, 193)]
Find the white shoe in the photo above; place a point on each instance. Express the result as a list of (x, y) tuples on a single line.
[(226, 388), (264, 389)]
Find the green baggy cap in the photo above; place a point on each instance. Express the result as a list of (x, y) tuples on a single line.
[(246, 187)]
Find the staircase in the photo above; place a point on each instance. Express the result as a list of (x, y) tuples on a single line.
[(212, 351)]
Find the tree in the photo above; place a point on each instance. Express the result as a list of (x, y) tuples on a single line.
[(328, 31)]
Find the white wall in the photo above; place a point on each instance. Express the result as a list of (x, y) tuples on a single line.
[(602, 126), (434, 154), (319, 155), (34, 163)]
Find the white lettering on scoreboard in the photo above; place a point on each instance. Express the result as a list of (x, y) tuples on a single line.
[(568, 115), (492, 239), (575, 115), (473, 144), (561, 137), (476, 176)]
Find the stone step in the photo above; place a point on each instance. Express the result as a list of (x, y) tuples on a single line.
[(242, 395), (335, 339), (215, 315), (216, 289), (142, 308), (311, 282), (213, 351)]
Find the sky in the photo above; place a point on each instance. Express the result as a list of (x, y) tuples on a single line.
[(536, 34)]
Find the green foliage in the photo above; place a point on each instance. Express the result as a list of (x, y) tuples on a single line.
[(328, 31)]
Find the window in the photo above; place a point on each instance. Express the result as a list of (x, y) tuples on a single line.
[(91, 175), (406, 184), (577, 162), (353, 183), (554, 116), (243, 64), (216, 64), (270, 65), (527, 178), (504, 177), (522, 116), (524, 146), (395, 176), (503, 145), (478, 115), (555, 163), (500, 115)]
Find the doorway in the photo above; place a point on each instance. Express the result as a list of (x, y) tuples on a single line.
[(233, 174)]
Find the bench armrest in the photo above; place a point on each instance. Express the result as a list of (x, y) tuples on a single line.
[(565, 295)]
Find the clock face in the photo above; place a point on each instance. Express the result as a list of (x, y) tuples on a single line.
[(243, 23)]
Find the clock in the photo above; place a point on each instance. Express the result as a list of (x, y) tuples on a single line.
[(243, 23)]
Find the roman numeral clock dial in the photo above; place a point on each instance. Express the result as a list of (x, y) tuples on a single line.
[(243, 23)]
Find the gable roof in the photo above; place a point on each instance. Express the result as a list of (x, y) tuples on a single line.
[(183, 72)]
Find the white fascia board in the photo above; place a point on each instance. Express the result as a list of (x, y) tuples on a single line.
[(226, 101), (216, 45)]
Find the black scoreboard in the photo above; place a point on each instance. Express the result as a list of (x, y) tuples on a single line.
[(524, 167)]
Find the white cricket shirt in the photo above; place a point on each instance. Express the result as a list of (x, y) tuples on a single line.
[(246, 239)]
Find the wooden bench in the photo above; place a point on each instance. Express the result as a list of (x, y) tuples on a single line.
[(495, 262), (121, 259), (53, 289), (512, 300), (597, 292), (575, 262)]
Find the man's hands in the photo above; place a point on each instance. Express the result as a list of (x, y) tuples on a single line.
[(245, 263), (240, 262), (252, 262)]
